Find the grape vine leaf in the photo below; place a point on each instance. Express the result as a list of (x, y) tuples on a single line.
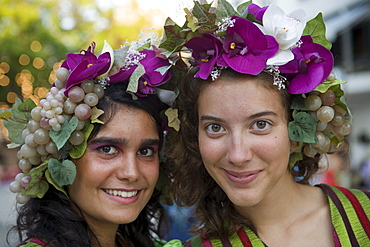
[(77, 151), (51, 181), (38, 185), (95, 114), (243, 9), (224, 10), (317, 30), (17, 121), (172, 116), (62, 173), (299, 103), (134, 78), (302, 128), (61, 137)]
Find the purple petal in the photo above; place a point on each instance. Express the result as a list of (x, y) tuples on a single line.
[(84, 72), (123, 75), (257, 11), (151, 63), (304, 83), (247, 64)]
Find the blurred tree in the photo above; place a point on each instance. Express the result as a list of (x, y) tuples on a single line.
[(36, 34)]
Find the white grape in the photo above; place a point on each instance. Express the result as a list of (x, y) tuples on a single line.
[(83, 111), (22, 199), (62, 74), (15, 187)]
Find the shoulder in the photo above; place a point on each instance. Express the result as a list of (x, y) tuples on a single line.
[(347, 196), (350, 213), (34, 242)]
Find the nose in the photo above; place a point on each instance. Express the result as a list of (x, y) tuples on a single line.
[(239, 149), (127, 168)]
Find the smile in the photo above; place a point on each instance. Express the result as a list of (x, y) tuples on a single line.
[(242, 178), (125, 194)]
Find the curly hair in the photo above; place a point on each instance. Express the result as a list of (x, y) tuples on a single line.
[(54, 217), (215, 214)]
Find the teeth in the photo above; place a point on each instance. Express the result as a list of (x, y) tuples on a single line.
[(121, 193)]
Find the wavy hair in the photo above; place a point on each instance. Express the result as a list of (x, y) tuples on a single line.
[(54, 217), (215, 214)]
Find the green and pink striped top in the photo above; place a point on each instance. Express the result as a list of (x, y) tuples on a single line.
[(350, 214)]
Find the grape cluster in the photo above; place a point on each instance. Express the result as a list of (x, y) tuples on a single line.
[(53, 111), (330, 117)]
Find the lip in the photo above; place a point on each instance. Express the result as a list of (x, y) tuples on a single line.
[(242, 178), (120, 199)]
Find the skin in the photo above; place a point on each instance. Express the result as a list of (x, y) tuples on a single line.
[(123, 156), (245, 147)]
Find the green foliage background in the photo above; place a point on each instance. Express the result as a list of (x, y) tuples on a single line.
[(25, 21)]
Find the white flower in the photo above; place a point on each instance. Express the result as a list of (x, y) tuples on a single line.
[(287, 30)]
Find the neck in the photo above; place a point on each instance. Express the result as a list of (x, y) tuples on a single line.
[(105, 234), (280, 205)]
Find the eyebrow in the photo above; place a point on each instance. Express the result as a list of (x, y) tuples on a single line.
[(120, 141), (253, 116)]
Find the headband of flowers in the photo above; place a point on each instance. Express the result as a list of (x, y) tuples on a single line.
[(292, 49), (50, 134)]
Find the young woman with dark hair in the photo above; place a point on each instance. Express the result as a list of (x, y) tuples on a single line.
[(99, 186), (258, 109)]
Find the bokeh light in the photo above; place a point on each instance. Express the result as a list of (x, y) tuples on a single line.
[(24, 59), (35, 46), (11, 96)]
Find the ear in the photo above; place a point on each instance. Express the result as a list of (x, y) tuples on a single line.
[(293, 145)]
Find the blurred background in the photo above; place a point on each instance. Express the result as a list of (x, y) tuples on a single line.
[(35, 35)]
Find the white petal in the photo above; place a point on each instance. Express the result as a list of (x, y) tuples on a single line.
[(281, 58)]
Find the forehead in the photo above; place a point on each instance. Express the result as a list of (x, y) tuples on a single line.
[(243, 93), (129, 121)]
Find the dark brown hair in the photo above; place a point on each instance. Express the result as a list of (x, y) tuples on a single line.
[(215, 214)]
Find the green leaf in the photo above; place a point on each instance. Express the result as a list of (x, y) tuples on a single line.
[(295, 155), (38, 185), (119, 59), (172, 116), (175, 37), (163, 69), (77, 151), (5, 114), (26, 107), (225, 9), (62, 173), (18, 121), (299, 103), (324, 86), (51, 181), (61, 137), (134, 79), (243, 9), (95, 114), (317, 30), (302, 128), (192, 21)]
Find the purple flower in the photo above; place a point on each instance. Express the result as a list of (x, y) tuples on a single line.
[(246, 48), (205, 51), (85, 66), (311, 65), (151, 78), (257, 11)]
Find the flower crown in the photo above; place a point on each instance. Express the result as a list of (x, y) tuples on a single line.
[(252, 40), (59, 128)]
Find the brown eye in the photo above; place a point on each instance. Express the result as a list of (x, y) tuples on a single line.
[(214, 128), (261, 124)]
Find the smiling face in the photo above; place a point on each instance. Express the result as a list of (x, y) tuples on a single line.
[(118, 172), (243, 139)]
